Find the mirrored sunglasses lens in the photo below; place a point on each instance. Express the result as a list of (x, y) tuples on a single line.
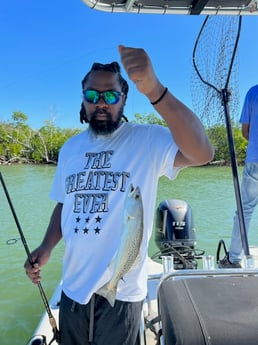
[(91, 96), (111, 97)]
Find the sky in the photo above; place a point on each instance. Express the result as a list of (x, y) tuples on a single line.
[(46, 48)]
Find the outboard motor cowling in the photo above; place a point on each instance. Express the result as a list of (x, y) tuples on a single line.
[(175, 232)]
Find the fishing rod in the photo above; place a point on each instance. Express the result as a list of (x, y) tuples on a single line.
[(52, 321)]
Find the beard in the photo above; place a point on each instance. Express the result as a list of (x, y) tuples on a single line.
[(106, 126)]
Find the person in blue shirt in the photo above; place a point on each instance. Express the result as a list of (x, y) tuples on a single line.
[(249, 185)]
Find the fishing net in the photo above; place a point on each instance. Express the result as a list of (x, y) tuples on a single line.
[(216, 67), (214, 86)]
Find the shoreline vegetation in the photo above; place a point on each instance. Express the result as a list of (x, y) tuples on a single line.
[(20, 160), (20, 144)]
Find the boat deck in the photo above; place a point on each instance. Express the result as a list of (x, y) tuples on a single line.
[(150, 307)]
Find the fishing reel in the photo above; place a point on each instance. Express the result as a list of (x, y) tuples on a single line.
[(175, 234), (38, 340), (42, 340)]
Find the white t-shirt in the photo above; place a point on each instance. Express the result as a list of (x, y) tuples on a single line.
[(91, 180)]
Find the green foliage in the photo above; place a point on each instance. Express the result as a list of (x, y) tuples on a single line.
[(240, 145), (219, 139), (20, 143), (149, 119), (19, 118)]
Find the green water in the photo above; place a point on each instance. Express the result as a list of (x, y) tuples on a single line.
[(209, 192)]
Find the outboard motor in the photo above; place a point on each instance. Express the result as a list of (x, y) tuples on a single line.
[(175, 232)]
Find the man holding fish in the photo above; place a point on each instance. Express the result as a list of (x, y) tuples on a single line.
[(105, 187)]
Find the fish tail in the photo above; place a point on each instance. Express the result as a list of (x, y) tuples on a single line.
[(109, 295)]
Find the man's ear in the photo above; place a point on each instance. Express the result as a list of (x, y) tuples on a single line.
[(83, 115)]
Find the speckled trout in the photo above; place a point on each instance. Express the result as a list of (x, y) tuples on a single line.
[(131, 237)]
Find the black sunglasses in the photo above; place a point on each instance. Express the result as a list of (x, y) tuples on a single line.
[(109, 96)]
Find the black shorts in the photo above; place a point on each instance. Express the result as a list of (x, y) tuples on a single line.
[(118, 325)]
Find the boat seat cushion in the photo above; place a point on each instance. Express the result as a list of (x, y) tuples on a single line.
[(209, 310)]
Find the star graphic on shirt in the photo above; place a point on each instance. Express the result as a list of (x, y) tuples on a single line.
[(85, 230), (98, 219), (76, 230), (97, 230), (78, 220), (87, 220)]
